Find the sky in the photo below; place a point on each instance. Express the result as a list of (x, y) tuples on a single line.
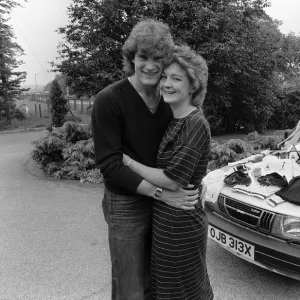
[(35, 24)]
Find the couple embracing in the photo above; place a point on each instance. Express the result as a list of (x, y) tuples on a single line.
[(152, 145)]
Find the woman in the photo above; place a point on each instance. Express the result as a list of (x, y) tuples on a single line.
[(178, 267)]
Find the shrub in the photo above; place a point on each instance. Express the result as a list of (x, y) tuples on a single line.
[(212, 165), (237, 149), (68, 153), (282, 133), (74, 132), (221, 154), (259, 142), (92, 176), (49, 149), (79, 163), (18, 114), (252, 136), (239, 146)]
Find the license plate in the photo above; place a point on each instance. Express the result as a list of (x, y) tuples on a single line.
[(228, 241)]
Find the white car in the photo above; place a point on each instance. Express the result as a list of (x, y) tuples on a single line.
[(261, 227)]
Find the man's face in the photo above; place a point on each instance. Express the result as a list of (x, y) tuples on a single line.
[(148, 67)]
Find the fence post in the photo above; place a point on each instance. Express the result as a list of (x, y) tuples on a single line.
[(40, 109), (48, 106), (81, 106), (89, 106), (35, 108), (74, 104)]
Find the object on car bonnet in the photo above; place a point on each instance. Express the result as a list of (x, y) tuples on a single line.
[(237, 177), (291, 193), (273, 179)]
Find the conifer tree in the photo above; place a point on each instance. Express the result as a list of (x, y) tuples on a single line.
[(10, 80), (58, 103)]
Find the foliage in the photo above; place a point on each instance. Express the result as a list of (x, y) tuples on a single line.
[(287, 113), (74, 132), (266, 142), (68, 153), (288, 56), (252, 136), (11, 79), (61, 79), (283, 134), (49, 149), (263, 142), (59, 108), (91, 53), (232, 150), (287, 108), (18, 114), (222, 154), (77, 159), (237, 149), (238, 40), (239, 146), (72, 118), (92, 176)]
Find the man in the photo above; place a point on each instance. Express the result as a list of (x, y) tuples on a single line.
[(130, 117)]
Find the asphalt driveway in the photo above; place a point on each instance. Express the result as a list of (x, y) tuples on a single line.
[(53, 240), (53, 236)]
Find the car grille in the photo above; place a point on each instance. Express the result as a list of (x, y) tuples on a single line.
[(246, 214)]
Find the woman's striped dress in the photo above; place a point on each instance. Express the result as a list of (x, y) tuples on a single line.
[(178, 267)]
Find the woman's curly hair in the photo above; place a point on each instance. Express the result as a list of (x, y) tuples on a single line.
[(196, 68), (147, 37)]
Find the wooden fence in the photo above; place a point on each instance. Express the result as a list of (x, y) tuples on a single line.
[(39, 104)]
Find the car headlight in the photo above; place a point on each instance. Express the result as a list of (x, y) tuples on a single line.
[(286, 227)]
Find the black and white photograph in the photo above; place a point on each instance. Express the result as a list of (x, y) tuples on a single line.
[(149, 150)]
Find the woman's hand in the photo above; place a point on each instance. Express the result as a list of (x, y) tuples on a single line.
[(126, 159)]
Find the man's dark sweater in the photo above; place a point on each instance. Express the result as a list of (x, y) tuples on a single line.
[(122, 123)]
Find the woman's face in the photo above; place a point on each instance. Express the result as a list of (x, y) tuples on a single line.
[(175, 85)]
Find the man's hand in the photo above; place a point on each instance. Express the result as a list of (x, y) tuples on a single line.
[(183, 199)]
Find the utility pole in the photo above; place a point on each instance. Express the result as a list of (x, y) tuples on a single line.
[(35, 85)]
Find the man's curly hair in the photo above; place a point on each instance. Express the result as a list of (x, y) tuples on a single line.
[(147, 37)]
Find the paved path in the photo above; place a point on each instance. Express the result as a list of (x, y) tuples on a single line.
[(53, 236), (53, 240)]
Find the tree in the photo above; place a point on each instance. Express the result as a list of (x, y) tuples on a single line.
[(237, 38), (91, 52), (288, 61), (287, 112), (61, 79), (239, 42), (10, 87), (59, 108)]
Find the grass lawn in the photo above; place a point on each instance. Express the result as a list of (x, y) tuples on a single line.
[(37, 122)]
